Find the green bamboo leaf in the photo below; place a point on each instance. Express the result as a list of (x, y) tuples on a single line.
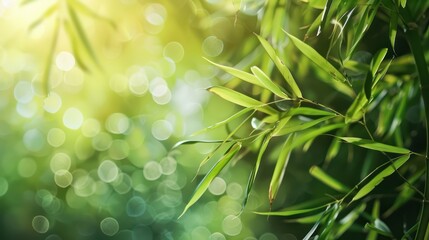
[(311, 134), (82, 8), (268, 83), (82, 35), (241, 99), (190, 142), (238, 74), (309, 112), (314, 25), (46, 14), (226, 121), (204, 184), (403, 3), (379, 227), (291, 128), (376, 61), (77, 49), (293, 212), (280, 168), (393, 27), (318, 59), (377, 179), (375, 214), (325, 13), (47, 70), (322, 176), (287, 75), (357, 109), (346, 222), (369, 144)]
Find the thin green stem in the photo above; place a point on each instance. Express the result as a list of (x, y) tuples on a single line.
[(417, 50)]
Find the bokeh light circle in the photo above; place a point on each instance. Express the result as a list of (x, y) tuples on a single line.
[(212, 46), (162, 129), (63, 178), (40, 224), (108, 171), (152, 170), (4, 186), (60, 161), (136, 206), (65, 61), (56, 137), (52, 103), (174, 51), (109, 226), (217, 186), (231, 225), (117, 123), (73, 118), (27, 167)]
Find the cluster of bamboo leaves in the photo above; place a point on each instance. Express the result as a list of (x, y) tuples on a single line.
[(279, 112), (65, 15)]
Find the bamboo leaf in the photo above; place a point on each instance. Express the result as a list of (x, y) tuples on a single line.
[(309, 112), (310, 134), (369, 144), (247, 77), (287, 75), (318, 59), (379, 227), (357, 109), (204, 184), (190, 142), (322, 176), (294, 212), (376, 61), (280, 168), (242, 100), (226, 121), (301, 126), (377, 179), (393, 27), (325, 13), (82, 8), (346, 222), (268, 83), (46, 14), (47, 70)]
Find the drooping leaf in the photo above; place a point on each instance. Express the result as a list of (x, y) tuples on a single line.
[(247, 77), (379, 227), (226, 121), (357, 109), (241, 99), (291, 128), (82, 8), (189, 142), (377, 179), (309, 112), (287, 75), (318, 59), (347, 222), (268, 83), (208, 178), (47, 70), (376, 60), (311, 134), (46, 14), (369, 144), (280, 168), (324, 17), (322, 176), (393, 27), (292, 213)]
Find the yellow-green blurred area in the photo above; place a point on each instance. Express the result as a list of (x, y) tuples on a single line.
[(93, 96)]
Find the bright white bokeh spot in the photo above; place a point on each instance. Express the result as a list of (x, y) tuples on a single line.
[(34, 140), (65, 61), (73, 118), (52, 103), (168, 165), (138, 82), (231, 225), (40, 224), (4, 186), (162, 129), (63, 178), (60, 161), (108, 171), (91, 127), (217, 236), (152, 170), (109, 226), (27, 167), (155, 14), (212, 46), (117, 123), (56, 137), (23, 92), (174, 51), (27, 110), (234, 190), (217, 186)]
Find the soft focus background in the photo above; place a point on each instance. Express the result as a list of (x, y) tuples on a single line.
[(93, 97)]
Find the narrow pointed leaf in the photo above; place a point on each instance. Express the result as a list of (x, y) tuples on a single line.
[(377, 179), (311, 134), (287, 75), (393, 27), (318, 59), (309, 112), (268, 83), (301, 126), (289, 213), (82, 8), (376, 60), (48, 12), (247, 77), (190, 142), (357, 109), (204, 184), (280, 168), (241, 99), (226, 121), (369, 144), (322, 176), (379, 227), (48, 65)]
